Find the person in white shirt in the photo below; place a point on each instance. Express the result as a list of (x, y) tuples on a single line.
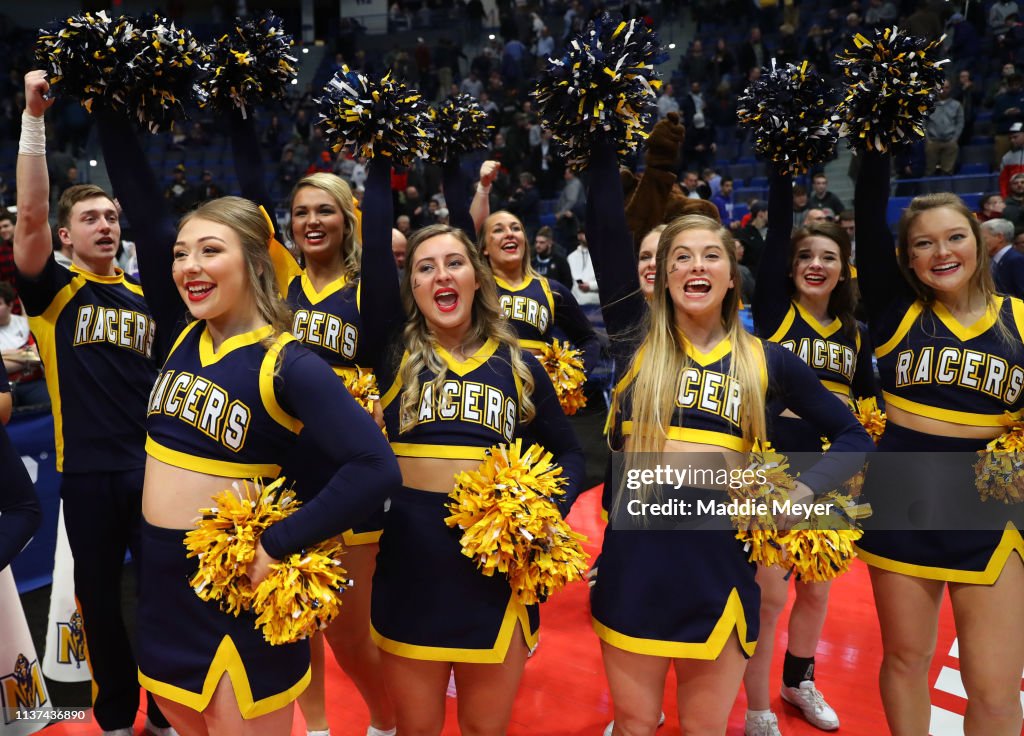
[(585, 282)]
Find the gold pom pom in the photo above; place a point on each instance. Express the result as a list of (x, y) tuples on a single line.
[(822, 548), (870, 417), (226, 536), (298, 597), (511, 524), (999, 474), (565, 367), (301, 595), (759, 532)]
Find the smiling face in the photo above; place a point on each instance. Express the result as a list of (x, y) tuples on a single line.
[(318, 224), (817, 267), (942, 251), (444, 282), (646, 262), (505, 242), (210, 271), (698, 274)]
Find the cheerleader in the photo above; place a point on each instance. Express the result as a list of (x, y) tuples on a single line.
[(540, 309), (694, 345), (951, 361), (229, 404), (805, 300), (462, 385), (346, 308)]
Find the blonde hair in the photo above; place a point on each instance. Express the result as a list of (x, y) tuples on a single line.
[(247, 221), (339, 190), (488, 322), (527, 265), (662, 357)]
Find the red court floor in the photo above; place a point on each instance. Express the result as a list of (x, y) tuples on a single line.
[(564, 692)]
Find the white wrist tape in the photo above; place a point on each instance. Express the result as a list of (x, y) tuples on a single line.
[(33, 135), (481, 189)]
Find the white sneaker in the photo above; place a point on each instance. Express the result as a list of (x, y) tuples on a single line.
[(611, 726), (761, 725), (152, 729), (119, 732), (811, 702), (372, 731)]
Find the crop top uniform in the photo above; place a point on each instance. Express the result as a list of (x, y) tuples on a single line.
[(460, 614), (689, 608), (841, 362), (349, 322), (933, 366), (232, 412)]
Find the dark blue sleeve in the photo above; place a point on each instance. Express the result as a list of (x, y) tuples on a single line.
[(380, 301), (19, 507), (772, 295), (153, 224), (794, 384), (245, 146), (571, 320), (611, 245), (864, 384), (456, 199), (551, 429), (878, 273), (37, 292), (366, 469)]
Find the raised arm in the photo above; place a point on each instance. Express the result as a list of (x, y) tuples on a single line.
[(480, 207), (136, 189), (33, 241), (366, 469), (611, 245), (772, 295), (459, 215), (380, 303), (878, 273), (245, 148), (864, 384)]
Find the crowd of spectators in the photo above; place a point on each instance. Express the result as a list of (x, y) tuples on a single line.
[(442, 47)]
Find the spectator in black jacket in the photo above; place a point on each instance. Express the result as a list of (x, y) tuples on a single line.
[(524, 203), (548, 263)]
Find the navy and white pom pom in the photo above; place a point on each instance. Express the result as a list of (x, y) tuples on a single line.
[(249, 65), (377, 117), (460, 126), (602, 89), (893, 81), (85, 56), (789, 112), (163, 72)]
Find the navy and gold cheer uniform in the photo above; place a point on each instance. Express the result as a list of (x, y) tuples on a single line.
[(839, 356), (95, 335), (429, 600), (932, 366), (681, 594), (95, 338), (19, 507), (235, 412)]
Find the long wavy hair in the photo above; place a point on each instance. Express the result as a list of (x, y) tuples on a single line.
[(339, 190), (842, 302), (488, 322), (247, 221), (664, 356)]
